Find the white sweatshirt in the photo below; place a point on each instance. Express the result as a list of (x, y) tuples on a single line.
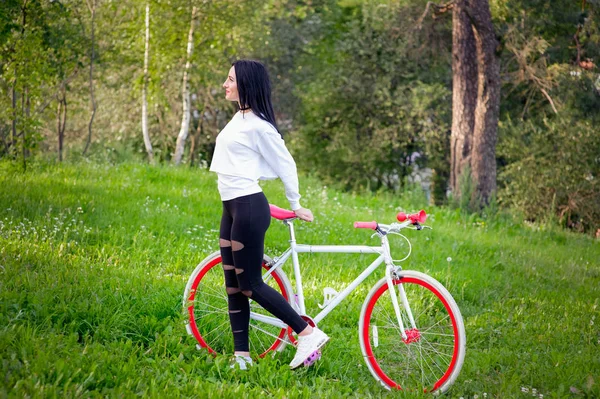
[(249, 149)]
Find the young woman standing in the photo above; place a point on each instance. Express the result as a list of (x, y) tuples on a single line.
[(249, 149)]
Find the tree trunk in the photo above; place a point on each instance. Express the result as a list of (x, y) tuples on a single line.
[(147, 142), (464, 93), (92, 6), (475, 98), (61, 121), (483, 163), (195, 140), (13, 131), (185, 122), (25, 107)]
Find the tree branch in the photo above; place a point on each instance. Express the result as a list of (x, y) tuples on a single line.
[(549, 99), (57, 90), (439, 10)]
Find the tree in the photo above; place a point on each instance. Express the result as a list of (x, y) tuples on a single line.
[(185, 91), (464, 94), (485, 131), (476, 98), (147, 142)]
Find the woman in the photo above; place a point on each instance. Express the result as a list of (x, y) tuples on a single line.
[(250, 148)]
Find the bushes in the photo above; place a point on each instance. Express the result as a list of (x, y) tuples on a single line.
[(554, 170)]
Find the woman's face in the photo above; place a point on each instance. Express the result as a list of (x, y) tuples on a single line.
[(230, 86)]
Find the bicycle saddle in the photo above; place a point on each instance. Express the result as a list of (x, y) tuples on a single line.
[(280, 213)]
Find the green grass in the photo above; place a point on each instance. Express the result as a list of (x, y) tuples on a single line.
[(94, 260)]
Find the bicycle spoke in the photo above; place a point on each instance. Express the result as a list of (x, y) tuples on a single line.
[(220, 293), (220, 326), (208, 309), (438, 322), (207, 312), (433, 361), (220, 298)]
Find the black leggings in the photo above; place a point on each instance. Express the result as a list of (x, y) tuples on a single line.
[(244, 224)]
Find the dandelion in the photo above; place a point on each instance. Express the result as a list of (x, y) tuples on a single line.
[(449, 259)]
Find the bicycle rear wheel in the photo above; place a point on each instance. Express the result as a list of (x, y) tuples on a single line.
[(431, 357), (205, 302)]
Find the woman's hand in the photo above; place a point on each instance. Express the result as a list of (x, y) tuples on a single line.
[(304, 214)]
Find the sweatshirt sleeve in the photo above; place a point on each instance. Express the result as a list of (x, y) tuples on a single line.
[(272, 147)]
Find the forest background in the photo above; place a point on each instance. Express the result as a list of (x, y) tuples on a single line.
[(362, 90)]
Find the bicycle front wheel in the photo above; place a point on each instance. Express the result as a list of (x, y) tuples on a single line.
[(205, 302), (430, 357)]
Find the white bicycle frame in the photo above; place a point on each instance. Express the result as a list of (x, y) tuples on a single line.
[(384, 256)]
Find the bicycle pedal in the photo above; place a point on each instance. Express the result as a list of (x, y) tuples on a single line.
[(316, 355)]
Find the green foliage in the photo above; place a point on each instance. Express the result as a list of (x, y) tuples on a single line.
[(555, 170), (369, 104), (41, 45), (94, 259), (548, 142)]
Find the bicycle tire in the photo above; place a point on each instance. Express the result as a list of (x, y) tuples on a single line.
[(432, 356), (205, 303)]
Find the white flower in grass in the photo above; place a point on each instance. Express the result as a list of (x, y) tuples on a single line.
[(449, 259)]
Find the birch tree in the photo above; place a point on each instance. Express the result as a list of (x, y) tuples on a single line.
[(185, 91), (147, 142)]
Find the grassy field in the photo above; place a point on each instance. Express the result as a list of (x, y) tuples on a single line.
[(94, 260)]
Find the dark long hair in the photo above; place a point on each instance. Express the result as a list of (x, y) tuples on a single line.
[(254, 89)]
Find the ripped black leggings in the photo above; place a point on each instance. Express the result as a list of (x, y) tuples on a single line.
[(244, 224)]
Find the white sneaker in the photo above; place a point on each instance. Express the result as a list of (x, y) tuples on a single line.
[(243, 362), (307, 345)]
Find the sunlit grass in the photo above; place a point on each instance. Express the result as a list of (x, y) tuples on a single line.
[(94, 259)]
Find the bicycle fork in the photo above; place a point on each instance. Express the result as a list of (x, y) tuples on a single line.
[(388, 276)]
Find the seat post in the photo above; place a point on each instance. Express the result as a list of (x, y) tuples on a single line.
[(299, 291), (290, 225)]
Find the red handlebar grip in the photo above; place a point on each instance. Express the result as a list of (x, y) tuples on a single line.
[(365, 225)]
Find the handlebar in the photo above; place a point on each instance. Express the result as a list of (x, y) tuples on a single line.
[(414, 219)]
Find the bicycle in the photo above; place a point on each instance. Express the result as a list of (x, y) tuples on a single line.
[(413, 339)]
